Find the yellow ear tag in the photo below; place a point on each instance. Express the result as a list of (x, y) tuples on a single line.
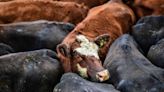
[(102, 43)]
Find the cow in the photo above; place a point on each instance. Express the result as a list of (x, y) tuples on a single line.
[(148, 31), (33, 71), (5, 49), (18, 11), (85, 47), (156, 53), (28, 36), (88, 3), (71, 82), (147, 7), (130, 70)]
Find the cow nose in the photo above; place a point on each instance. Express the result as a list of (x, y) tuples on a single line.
[(103, 75)]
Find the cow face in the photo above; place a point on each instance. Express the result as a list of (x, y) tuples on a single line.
[(84, 58)]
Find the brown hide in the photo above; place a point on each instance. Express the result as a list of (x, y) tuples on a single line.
[(148, 7), (5, 0), (112, 18), (89, 3), (16, 11)]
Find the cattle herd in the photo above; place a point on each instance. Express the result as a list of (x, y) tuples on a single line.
[(81, 45)]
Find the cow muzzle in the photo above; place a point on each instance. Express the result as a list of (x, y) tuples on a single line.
[(103, 75)]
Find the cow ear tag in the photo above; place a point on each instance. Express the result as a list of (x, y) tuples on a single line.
[(102, 40)]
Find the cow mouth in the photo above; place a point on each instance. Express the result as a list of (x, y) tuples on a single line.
[(103, 75), (100, 76)]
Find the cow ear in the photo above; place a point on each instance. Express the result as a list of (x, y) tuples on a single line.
[(63, 50), (102, 40)]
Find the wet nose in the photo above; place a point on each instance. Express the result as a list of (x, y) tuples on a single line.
[(103, 75)]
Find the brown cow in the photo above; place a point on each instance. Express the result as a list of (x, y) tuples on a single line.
[(4, 0), (86, 46), (89, 3), (16, 11), (148, 7)]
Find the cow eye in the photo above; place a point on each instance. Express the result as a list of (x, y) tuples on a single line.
[(75, 53)]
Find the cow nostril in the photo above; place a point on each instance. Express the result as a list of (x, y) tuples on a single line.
[(103, 75), (100, 76)]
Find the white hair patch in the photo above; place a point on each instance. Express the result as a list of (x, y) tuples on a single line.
[(87, 48)]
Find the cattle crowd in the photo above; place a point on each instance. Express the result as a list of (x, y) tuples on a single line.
[(81, 45)]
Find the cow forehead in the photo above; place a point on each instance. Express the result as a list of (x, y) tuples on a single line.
[(87, 47)]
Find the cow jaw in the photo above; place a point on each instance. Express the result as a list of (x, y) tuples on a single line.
[(87, 48)]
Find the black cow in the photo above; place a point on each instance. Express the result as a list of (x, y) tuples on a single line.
[(130, 70), (34, 71), (156, 54), (148, 31), (5, 49), (25, 36), (71, 82)]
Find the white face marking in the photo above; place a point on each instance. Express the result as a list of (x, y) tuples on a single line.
[(82, 71), (87, 48)]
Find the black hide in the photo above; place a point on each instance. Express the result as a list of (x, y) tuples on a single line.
[(156, 54), (71, 82), (5, 49), (26, 36), (34, 71), (130, 70), (148, 31)]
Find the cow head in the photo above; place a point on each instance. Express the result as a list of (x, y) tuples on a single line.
[(84, 57)]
